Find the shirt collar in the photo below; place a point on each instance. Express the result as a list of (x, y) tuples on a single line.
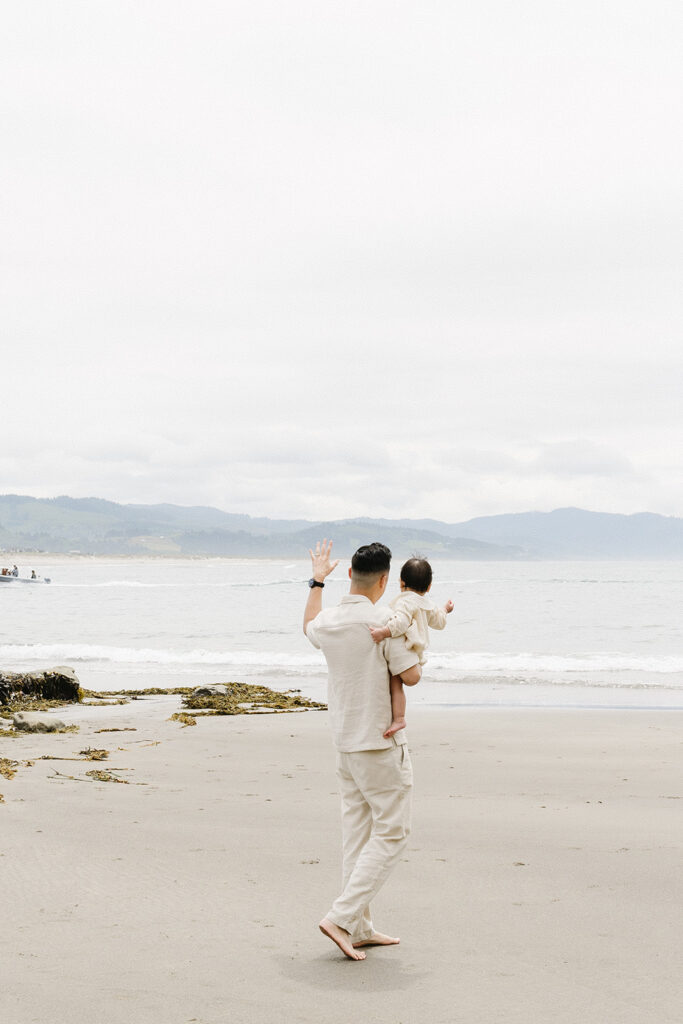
[(355, 599)]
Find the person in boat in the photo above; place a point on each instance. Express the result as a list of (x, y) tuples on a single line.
[(15, 571), (33, 574)]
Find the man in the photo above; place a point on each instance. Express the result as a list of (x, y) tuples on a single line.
[(375, 775)]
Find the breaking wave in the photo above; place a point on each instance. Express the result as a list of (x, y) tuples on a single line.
[(440, 666), (152, 656)]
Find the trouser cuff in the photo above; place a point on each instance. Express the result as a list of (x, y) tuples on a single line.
[(340, 922), (347, 925)]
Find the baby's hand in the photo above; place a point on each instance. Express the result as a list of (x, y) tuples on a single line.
[(379, 633), (449, 606)]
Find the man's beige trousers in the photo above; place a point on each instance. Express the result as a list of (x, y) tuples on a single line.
[(376, 795)]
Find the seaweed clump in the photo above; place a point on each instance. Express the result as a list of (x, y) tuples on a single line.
[(127, 728), (249, 699), (8, 767), (101, 776), (182, 716), (240, 699), (151, 691)]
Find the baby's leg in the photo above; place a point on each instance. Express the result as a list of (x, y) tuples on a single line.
[(398, 707)]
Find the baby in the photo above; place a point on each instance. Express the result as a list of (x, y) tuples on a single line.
[(413, 614)]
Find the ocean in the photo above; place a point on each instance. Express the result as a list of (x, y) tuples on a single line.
[(559, 634)]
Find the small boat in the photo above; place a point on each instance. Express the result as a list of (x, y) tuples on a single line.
[(10, 578)]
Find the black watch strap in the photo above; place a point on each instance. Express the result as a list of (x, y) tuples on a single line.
[(315, 583)]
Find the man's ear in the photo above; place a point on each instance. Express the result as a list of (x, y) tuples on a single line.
[(350, 572), (383, 580)]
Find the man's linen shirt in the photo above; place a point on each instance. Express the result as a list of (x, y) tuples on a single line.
[(358, 695)]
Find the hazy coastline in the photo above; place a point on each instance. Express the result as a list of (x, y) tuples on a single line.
[(93, 525)]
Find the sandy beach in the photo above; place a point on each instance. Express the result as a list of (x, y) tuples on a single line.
[(542, 882)]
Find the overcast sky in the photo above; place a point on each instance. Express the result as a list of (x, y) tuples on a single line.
[(327, 259)]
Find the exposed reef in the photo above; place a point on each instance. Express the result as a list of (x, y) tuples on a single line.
[(248, 699), (38, 691), (57, 687), (220, 699)]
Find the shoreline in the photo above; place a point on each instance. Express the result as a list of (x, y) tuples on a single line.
[(488, 693), (519, 637), (133, 556), (194, 890)]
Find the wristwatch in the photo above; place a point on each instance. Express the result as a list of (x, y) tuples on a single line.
[(315, 583)]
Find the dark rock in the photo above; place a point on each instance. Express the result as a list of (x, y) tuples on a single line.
[(211, 690), (36, 721), (59, 683)]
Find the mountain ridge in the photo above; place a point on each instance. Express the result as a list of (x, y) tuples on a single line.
[(99, 526)]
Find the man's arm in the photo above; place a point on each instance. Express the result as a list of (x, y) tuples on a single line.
[(322, 567)]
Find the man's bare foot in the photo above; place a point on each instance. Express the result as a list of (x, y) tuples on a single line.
[(377, 939), (396, 725), (341, 937)]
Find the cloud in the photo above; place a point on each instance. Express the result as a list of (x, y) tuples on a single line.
[(581, 458), (360, 259)]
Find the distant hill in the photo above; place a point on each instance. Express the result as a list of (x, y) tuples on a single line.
[(576, 533), (347, 536), (566, 533), (94, 526)]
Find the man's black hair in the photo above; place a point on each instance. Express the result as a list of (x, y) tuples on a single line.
[(416, 573), (371, 560)]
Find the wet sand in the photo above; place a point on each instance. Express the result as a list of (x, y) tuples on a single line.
[(542, 881)]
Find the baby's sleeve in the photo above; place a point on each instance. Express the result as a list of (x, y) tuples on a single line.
[(399, 620), (436, 618)]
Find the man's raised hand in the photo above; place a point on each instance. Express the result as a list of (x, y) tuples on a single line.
[(320, 560)]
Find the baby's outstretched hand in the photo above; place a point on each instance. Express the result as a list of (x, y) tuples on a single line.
[(449, 606), (379, 633)]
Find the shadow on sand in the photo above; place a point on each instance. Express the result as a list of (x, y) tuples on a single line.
[(382, 971)]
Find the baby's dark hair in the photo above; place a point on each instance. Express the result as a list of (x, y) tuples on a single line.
[(416, 573)]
